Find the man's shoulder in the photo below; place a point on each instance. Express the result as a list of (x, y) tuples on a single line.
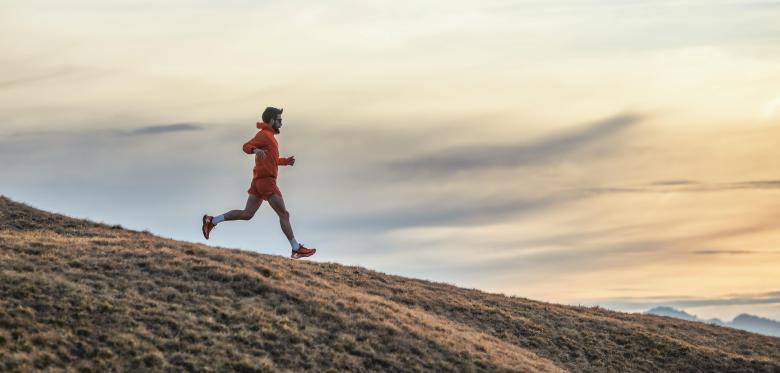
[(265, 134)]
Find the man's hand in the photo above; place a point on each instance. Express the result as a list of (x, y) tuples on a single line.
[(259, 153), (291, 160)]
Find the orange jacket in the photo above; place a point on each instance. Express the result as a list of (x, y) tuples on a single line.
[(265, 140)]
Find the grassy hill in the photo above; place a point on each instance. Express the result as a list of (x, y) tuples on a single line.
[(84, 296)]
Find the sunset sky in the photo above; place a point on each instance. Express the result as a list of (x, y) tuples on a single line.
[(619, 153)]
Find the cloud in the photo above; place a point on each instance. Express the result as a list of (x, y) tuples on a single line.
[(769, 223), (616, 248), (756, 184), (750, 184), (470, 212), (679, 301), (672, 182), (688, 186), (82, 155), (721, 252), (11, 83), (502, 155), (57, 135), (165, 128)]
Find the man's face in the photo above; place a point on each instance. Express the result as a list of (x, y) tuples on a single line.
[(276, 123)]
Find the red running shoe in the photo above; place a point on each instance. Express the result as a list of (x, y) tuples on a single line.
[(207, 226), (302, 252)]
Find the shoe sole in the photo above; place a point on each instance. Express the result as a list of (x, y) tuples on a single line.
[(298, 256), (203, 228)]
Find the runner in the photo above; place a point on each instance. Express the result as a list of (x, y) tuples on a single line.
[(263, 187)]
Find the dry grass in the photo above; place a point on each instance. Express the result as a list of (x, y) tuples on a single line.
[(81, 296)]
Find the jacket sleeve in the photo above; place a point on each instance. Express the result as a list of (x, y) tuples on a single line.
[(258, 142), (282, 161)]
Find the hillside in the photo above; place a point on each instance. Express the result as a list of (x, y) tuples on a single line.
[(91, 297)]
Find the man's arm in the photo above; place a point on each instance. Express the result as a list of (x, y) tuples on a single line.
[(256, 146)]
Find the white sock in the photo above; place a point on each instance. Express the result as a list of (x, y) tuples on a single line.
[(294, 244), (218, 219)]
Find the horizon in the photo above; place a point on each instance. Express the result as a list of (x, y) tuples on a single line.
[(608, 153)]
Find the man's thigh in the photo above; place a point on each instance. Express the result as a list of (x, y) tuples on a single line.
[(253, 203), (277, 203)]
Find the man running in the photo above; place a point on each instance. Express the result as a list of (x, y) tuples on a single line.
[(263, 187)]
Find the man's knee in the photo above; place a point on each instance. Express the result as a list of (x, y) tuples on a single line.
[(284, 214), (247, 215)]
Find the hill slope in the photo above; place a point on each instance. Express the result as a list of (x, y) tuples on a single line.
[(93, 297)]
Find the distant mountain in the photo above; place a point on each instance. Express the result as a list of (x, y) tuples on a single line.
[(716, 322), (756, 324), (744, 321), (671, 312)]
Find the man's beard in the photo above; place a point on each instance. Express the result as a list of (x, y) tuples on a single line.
[(276, 129)]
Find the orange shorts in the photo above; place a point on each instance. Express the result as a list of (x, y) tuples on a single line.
[(264, 188)]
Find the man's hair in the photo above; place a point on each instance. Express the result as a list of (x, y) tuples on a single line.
[(270, 114)]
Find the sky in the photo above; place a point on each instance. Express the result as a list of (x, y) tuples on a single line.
[(613, 153)]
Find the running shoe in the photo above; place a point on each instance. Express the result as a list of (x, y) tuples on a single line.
[(302, 252), (207, 226)]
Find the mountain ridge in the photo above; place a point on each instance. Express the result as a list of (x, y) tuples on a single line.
[(95, 297), (743, 321)]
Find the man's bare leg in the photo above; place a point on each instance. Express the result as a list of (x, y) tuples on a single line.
[(252, 204), (277, 203), (298, 251)]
